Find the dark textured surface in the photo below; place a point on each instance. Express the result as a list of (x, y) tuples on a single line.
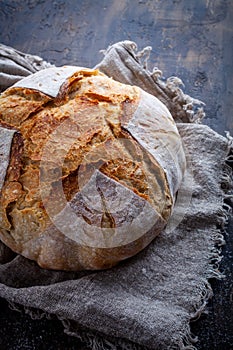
[(190, 38)]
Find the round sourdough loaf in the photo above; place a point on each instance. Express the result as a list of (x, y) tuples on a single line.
[(89, 168)]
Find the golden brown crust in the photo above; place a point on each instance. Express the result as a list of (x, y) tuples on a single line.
[(12, 189), (65, 252), (18, 104), (87, 116), (15, 165)]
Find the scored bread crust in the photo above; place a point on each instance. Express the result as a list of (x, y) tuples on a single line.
[(76, 128)]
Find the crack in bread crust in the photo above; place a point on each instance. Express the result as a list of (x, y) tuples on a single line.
[(89, 109)]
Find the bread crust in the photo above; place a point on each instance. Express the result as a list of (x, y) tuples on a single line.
[(70, 133)]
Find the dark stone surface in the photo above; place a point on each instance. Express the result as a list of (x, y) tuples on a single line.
[(19, 332), (192, 39), (215, 326)]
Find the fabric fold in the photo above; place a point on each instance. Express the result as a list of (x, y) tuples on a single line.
[(16, 65)]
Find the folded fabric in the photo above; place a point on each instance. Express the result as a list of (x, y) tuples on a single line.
[(148, 300), (15, 65)]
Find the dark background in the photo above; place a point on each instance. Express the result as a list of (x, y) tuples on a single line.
[(192, 39)]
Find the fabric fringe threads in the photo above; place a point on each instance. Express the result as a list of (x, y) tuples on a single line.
[(183, 107), (95, 341)]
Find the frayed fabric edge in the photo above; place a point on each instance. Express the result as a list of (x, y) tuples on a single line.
[(216, 242), (125, 54), (193, 108), (93, 340)]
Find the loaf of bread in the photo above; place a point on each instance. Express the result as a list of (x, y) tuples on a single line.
[(90, 168)]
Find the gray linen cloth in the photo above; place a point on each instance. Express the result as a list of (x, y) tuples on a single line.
[(15, 65), (145, 302)]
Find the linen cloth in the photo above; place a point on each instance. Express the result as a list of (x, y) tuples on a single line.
[(16, 65), (147, 301)]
